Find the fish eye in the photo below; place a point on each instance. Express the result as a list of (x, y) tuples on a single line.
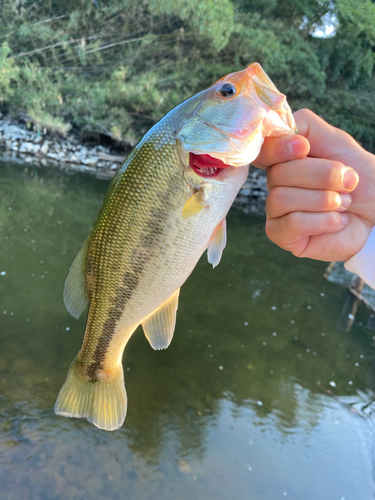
[(227, 90)]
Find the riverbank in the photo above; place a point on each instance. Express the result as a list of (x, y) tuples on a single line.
[(18, 142)]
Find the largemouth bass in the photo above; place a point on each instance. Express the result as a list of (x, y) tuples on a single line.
[(165, 206)]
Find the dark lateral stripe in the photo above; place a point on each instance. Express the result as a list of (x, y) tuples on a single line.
[(123, 295)]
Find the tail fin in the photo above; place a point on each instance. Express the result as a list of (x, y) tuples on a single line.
[(103, 403)]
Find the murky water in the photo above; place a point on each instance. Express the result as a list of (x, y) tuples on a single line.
[(233, 410)]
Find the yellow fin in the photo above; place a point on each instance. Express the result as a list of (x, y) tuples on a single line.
[(103, 403), (159, 326), (194, 205), (217, 243), (75, 298)]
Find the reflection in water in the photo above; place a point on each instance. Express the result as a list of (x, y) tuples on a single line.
[(234, 398)]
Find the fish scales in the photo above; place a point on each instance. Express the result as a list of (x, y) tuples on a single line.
[(158, 217), (149, 210)]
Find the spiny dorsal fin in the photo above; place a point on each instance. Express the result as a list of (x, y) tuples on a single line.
[(194, 205), (217, 243), (75, 298), (159, 326)]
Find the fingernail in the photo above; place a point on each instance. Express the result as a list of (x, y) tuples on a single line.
[(346, 201), (350, 179), (344, 219), (297, 148)]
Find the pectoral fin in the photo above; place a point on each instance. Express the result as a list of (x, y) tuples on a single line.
[(75, 298), (159, 326), (194, 205), (217, 243)]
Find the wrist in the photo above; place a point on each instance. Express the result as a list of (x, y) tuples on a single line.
[(363, 262)]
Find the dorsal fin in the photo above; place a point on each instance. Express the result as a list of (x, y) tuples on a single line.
[(159, 326), (75, 298), (217, 243)]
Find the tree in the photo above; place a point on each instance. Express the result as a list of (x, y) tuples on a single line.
[(115, 67)]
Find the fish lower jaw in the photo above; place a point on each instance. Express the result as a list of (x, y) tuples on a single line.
[(205, 165), (207, 171)]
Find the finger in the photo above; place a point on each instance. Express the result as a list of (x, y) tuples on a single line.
[(284, 200), (320, 134), (313, 173), (280, 149), (340, 245), (292, 232)]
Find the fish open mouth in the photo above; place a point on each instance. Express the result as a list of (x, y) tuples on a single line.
[(206, 165)]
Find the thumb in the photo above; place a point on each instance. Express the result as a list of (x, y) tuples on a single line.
[(325, 140)]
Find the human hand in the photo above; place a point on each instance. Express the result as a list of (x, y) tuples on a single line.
[(320, 206)]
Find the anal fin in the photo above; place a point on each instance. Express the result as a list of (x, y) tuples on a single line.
[(217, 243), (159, 326), (194, 205)]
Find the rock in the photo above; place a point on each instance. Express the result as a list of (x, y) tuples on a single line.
[(26, 147), (73, 158), (91, 160), (184, 467), (54, 156), (44, 148)]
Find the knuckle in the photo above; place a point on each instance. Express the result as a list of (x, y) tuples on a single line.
[(270, 230), (275, 202), (275, 197), (330, 200), (304, 113), (334, 220), (270, 176), (295, 221), (276, 173)]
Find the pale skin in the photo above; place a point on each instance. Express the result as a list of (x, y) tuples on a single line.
[(321, 182)]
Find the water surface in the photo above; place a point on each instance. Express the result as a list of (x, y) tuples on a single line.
[(234, 409)]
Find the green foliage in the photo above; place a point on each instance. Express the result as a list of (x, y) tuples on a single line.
[(360, 16), (115, 67), (7, 72), (210, 19)]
